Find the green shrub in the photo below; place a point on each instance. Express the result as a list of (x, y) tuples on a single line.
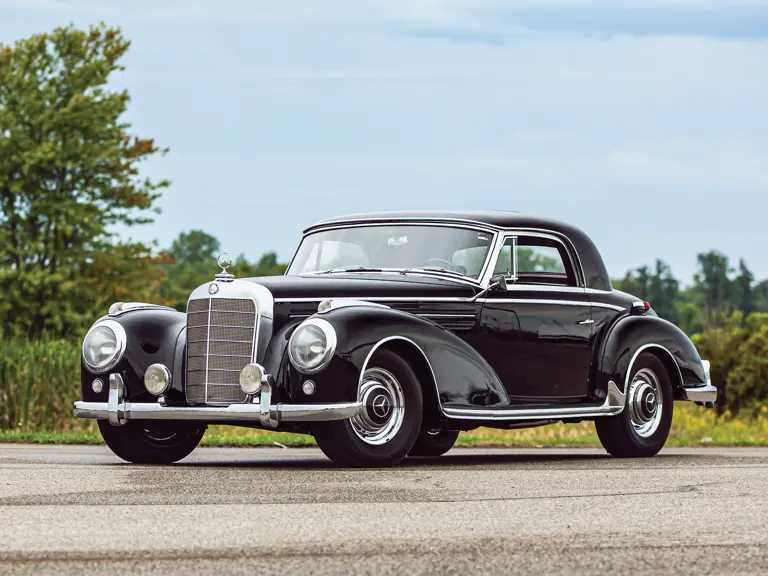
[(738, 354), (39, 381)]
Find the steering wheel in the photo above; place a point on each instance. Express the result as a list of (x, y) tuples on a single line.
[(443, 264)]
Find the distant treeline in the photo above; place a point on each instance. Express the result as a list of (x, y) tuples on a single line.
[(717, 292)]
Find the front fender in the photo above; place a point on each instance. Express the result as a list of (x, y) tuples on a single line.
[(153, 336), (459, 374), (632, 334)]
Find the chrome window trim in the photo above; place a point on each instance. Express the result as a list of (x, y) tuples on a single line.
[(514, 234), (498, 232), (463, 224), (377, 221)]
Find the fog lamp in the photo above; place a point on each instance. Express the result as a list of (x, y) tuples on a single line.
[(157, 379), (251, 378), (308, 387)]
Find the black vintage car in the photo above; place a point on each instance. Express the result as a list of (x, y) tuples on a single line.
[(388, 335)]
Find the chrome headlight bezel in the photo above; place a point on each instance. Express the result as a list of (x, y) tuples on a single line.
[(121, 341), (330, 345)]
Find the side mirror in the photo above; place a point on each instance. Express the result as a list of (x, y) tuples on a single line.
[(498, 283)]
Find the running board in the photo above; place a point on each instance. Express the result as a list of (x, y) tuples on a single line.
[(614, 404)]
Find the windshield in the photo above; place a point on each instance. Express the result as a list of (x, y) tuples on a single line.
[(452, 249)]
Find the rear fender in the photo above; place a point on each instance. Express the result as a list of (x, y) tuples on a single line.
[(631, 335)]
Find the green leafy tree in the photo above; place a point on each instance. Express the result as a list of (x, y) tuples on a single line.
[(738, 353), (192, 262), (712, 282), (659, 287), (742, 290), (69, 174)]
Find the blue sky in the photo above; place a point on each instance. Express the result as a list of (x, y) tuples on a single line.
[(643, 122)]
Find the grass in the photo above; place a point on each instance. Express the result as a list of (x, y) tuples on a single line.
[(39, 381), (691, 426)]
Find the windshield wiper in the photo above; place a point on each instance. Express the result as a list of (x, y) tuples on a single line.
[(437, 269), (349, 269)]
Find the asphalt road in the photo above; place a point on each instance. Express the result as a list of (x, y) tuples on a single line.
[(288, 511)]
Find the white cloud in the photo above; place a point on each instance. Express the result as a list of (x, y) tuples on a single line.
[(655, 143)]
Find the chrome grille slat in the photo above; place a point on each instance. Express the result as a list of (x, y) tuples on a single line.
[(220, 342)]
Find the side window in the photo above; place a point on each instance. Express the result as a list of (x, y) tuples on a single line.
[(535, 260), (504, 262), (543, 261)]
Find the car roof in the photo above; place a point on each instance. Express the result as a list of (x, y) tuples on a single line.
[(493, 218), (595, 273)]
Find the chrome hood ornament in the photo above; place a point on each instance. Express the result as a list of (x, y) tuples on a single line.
[(225, 261)]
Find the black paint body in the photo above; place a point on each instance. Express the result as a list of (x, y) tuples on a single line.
[(521, 347)]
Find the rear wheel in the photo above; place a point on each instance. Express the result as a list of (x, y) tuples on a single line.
[(156, 443), (434, 442), (390, 422), (643, 426)]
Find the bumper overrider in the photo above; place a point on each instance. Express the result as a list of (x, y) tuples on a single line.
[(259, 409)]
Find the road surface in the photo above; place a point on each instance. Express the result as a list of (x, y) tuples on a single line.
[(79, 509)]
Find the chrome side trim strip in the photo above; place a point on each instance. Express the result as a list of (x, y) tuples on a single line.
[(329, 304), (376, 299), (555, 302), (466, 300), (614, 404)]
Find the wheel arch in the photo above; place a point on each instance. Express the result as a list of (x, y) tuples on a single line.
[(631, 335), (667, 360), (417, 359)]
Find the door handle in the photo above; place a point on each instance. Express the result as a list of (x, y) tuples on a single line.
[(590, 321)]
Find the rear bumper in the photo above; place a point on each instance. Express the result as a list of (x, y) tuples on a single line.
[(701, 395), (261, 411), (706, 394)]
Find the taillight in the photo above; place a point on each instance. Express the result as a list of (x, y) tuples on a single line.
[(640, 307)]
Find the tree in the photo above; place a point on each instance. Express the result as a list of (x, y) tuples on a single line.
[(69, 173), (659, 287), (192, 262), (713, 283), (742, 284)]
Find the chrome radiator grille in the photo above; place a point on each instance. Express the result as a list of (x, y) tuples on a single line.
[(220, 342)]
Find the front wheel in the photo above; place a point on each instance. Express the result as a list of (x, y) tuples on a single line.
[(156, 443), (643, 426), (390, 422)]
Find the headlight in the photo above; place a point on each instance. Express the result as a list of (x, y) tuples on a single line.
[(312, 345), (103, 346)]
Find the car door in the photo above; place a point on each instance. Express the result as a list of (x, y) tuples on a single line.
[(537, 334)]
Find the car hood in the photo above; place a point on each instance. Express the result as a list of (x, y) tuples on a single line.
[(363, 286)]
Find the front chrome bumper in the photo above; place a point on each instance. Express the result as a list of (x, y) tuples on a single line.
[(118, 411)]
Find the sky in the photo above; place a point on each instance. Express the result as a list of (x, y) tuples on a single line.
[(645, 123)]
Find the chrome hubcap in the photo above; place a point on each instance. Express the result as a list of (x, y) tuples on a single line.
[(383, 407), (644, 402)]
